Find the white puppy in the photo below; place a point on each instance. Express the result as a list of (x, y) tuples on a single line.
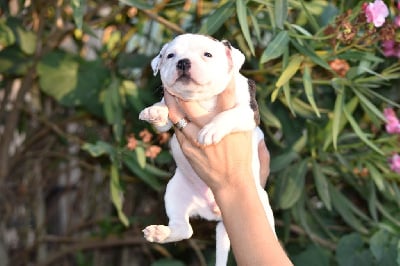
[(198, 68)]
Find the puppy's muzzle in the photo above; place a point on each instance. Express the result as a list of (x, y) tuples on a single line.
[(183, 65)]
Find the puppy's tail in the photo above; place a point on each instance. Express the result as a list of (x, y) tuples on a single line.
[(222, 245)]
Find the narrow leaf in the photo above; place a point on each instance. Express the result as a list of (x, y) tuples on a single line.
[(364, 100), (282, 161), (343, 206), (141, 156), (310, 18), (98, 149), (359, 131), (309, 89), (337, 114), (322, 186), (290, 70), (281, 12), (309, 51), (241, 10), (77, 8), (286, 92), (116, 194), (276, 47), (294, 187), (376, 176), (268, 117), (138, 3), (131, 161), (214, 21)]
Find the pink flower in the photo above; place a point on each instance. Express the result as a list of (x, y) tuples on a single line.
[(389, 48), (392, 122), (394, 162), (376, 13), (397, 21)]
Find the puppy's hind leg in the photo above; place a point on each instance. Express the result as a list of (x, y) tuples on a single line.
[(178, 201), (222, 245)]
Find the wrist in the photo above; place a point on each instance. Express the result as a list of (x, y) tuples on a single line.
[(236, 184)]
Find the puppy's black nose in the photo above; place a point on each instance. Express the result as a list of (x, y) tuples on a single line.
[(183, 64)]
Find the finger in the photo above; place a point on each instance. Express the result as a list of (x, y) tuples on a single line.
[(190, 133)]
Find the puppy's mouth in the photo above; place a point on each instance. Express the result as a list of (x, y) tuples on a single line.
[(184, 78)]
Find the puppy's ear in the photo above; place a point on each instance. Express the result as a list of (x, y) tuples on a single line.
[(235, 55), (156, 62)]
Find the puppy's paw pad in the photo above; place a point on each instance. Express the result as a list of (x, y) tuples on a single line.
[(156, 233), (156, 114)]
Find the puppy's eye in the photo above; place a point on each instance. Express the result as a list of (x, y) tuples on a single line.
[(207, 54), (170, 55)]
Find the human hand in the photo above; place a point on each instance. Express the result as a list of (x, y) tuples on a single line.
[(200, 117), (223, 165)]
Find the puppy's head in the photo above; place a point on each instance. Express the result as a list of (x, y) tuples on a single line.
[(197, 67)]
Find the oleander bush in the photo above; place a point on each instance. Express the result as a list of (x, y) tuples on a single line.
[(80, 175)]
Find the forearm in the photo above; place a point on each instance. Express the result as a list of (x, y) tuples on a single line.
[(253, 241)]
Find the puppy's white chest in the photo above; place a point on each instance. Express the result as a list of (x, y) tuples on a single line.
[(208, 104)]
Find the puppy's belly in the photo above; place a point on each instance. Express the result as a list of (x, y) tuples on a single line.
[(202, 202)]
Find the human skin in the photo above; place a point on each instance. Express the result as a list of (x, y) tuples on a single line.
[(227, 171), (200, 117)]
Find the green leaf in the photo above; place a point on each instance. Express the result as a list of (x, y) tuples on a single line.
[(113, 108), (288, 97), (72, 81), (276, 47), (281, 161), (376, 176), (141, 156), (308, 51), (321, 184), (350, 251), (310, 18), (168, 262), (281, 12), (7, 36), (312, 256), (256, 26), (78, 10), (116, 193), (138, 3), (344, 207), (13, 61), (359, 131), (26, 40), (308, 88), (99, 149), (294, 184), (213, 22), (364, 100), (337, 115), (290, 70), (241, 10), (131, 161), (268, 117)]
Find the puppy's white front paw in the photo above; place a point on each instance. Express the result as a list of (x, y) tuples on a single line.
[(156, 115), (156, 233), (212, 133)]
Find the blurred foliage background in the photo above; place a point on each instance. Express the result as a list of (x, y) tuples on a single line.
[(80, 175)]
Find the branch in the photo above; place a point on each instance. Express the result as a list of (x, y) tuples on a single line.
[(163, 21), (80, 245), (300, 231)]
